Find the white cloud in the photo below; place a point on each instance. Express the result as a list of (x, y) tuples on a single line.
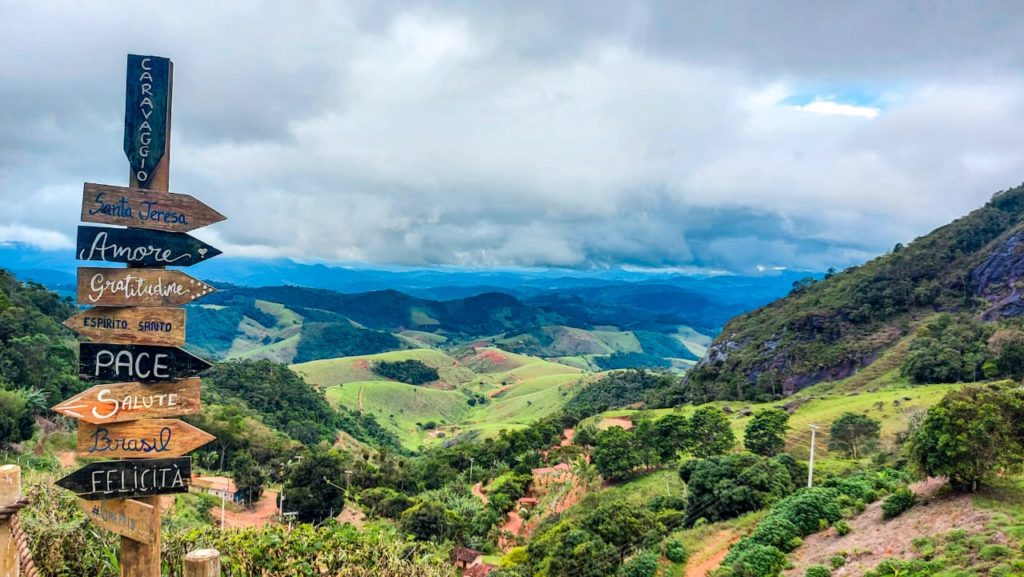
[(37, 237), (830, 108)]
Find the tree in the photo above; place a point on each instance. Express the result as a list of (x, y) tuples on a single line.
[(615, 455), (430, 520), (766, 432), (727, 486), (15, 418), (646, 442), (672, 436), (585, 436), (620, 524), (307, 491), (854, 434), (711, 434), (249, 477), (970, 435)]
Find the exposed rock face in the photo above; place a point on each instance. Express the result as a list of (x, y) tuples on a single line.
[(998, 279)]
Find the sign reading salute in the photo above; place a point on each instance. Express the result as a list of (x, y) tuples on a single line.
[(144, 438), (105, 204), (108, 362), (133, 287), (130, 479), (131, 325), (140, 247), (119, 402)]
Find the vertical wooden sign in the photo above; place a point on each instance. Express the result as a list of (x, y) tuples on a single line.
[(147, 120)]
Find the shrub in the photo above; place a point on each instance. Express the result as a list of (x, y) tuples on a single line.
[(778, 532), (756, 560), (993, 552), (410, 371), (837, 561), (842, 527), (675, 551), (817, 571), (642, 565), (808, 508), (662, 502), (901, 500)]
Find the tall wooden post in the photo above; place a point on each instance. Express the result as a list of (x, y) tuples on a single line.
[(10, 491), (202, 563), (143, 559)]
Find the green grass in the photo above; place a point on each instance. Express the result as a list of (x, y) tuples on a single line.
[(527, 401), (399, 407), (330, 372)]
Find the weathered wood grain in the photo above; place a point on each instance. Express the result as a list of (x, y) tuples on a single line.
[(121, 402), (140, 439), (131, 325), (10, 491), (141, 247), (130, 479), (118, 287), (152, 209), (109, 362), (127, 517), (147, 115)]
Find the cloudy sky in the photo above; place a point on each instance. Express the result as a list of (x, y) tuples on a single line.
[(721, 135)]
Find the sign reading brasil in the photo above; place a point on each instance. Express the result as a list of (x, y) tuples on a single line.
[(146, 107)]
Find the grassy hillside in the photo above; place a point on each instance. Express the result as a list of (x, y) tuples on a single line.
[(826, 330), (330, 372)]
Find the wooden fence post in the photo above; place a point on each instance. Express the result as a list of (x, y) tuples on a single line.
[(10, 491), (202, 563)]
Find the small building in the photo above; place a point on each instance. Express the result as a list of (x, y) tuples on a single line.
[(464, 557), (220, 487)]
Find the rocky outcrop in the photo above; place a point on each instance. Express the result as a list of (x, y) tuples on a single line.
[(998, 279)]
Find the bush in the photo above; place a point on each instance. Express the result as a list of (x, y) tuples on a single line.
[(993, 552), (895, 504), (808, 508), (642, 565), (842, 527), (756, 560), (675, 551), (837, 561), (728, 486), (778, 532), (817, 571)]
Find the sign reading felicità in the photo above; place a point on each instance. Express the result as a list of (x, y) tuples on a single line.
[(136, 331)]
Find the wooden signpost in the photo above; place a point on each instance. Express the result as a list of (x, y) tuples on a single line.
[(133, 519), (138, 287), (136, 332), (142, 438), (131, 325), (121, 402), (139, 247), (105, 204), (137, 363), (130, 479)]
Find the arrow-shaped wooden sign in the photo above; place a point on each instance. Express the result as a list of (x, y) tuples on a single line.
[(130, 287), (131, 325), (130, 479), (140, 247), (133, 519), (141, 208), (139, 439), (131, 401), (137, 363)]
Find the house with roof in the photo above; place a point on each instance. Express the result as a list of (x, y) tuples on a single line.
[(220, 487)]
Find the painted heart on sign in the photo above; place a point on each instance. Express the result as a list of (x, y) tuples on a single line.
[(202, 252)]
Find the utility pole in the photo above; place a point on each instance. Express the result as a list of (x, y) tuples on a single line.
[(810, 469), (471, 470)]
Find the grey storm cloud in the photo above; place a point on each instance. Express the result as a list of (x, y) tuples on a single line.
[(724, 135)]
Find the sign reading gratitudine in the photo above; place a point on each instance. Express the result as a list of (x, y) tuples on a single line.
[(137, 287), (108, 362), (106, 204), (140, 247), (129, 479), (146, 111)]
